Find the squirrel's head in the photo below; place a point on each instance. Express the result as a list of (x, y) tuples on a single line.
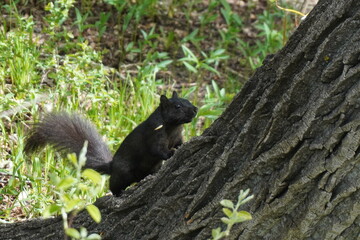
[(176, 110)]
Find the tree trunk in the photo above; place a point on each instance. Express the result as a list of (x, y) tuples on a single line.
[(291, 136)]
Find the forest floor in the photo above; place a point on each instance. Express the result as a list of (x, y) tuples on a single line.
[(174, 25)]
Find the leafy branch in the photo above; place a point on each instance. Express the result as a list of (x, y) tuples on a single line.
[(233, 215)]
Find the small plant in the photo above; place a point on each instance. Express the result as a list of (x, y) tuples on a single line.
[(215, 101), (132, 12), (148, 43), (194, 38), (18, 51), (74, 194), (233, 216), (269, 39), (234, 24), (129, 16), (193, 63), (101, 23), (81, 22), (210, 15), (188, 9), (58, 13)]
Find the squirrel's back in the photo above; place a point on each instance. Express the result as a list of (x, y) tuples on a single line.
[(69, 132)]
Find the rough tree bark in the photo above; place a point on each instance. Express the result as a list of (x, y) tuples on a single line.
[(291, 135)]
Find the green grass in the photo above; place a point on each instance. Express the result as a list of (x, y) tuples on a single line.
[(63, 70)]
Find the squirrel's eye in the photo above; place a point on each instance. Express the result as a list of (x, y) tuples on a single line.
[(177, 106)]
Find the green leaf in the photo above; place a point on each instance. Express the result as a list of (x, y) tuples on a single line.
[(94, 236), (72, 232), (228, 212), (82, 155), (226, 15), (83, 187), (129, 46), (227, 203), (226, 5), (215, 86), (211, 69), (204, 54), (127, 19), (191, 36), (83, 232), (188, 52), (190, 67), (73, 159), (242, 216), (51, 210), (237, 19), (222, 93), (94, 212), (70, 35), (143, 33), (246, 199), (188, 59), (163, 64), (218, 52), (243, 196), (72, 204), (49, 6), (225, 220), (215, 232), (92, 175), (66, 183)]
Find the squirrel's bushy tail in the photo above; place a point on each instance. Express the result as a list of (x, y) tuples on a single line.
[(69, 132)]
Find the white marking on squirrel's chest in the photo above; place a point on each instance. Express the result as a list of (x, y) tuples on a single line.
[(159, 127)]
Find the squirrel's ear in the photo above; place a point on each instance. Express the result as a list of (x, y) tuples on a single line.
[(175, 95), (164, 100)]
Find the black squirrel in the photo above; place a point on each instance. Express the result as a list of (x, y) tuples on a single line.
[(140, 153)]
